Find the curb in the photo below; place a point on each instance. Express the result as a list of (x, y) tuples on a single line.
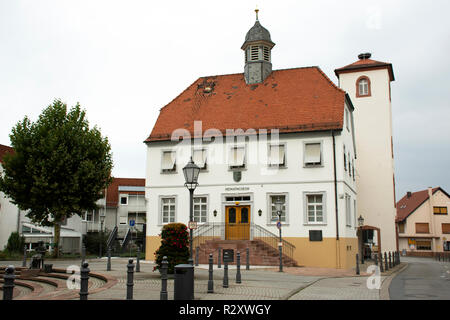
[(384, 290)]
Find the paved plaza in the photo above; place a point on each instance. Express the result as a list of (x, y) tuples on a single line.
[(258, 283)]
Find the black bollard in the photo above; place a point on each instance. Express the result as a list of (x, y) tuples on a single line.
[(197, 249), (399, 259), (247, 267), (357, 264), (24, 262), (238, 267), (8, 285), (138, 257), (83, 254), (84, 279), (108, 264), (386, 262), (164, 267), (225, 274), (390, 260), (210, 271), (130, 271), (381, 262), (376, 259), (219, 259)]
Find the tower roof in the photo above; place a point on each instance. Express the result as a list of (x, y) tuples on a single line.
[(365, 63), (257, 33)]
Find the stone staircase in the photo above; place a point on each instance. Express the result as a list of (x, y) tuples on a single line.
[(260, 253)]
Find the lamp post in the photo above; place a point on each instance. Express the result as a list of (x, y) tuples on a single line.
[(102, 220), (191, 172), (279, 208), (360, 224)]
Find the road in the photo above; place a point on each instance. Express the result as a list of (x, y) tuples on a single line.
[(423, 279)]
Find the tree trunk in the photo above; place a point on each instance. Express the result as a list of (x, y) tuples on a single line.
[(56, 239)]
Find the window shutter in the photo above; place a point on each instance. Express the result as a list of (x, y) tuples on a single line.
[(422, 228), (200, 158), (276, 155), (446, 228), (237, 157), (312, 153)]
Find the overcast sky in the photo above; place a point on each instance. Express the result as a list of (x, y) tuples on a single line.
[(124, 60)]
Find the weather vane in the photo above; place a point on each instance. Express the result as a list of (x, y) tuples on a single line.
[(256, 11)]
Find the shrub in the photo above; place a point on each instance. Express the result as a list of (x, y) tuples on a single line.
[(92, 242), (174, 245), (15, 243)]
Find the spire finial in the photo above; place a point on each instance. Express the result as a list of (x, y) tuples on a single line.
[(256, 11)]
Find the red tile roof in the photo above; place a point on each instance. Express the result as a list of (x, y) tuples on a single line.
[(291, 100), (112, 193), (366, 64), (4, 150), (407, 205)]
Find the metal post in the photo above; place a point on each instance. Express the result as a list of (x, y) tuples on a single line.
[(8, 285), (196, 255), (164, 266), (386, 263), (210, 271), (191, 218), (108, 264), (399, 259), (357, 264), (84, 277), (225, 274), (83, 254), (238, 267), (138, 265), (247, 267), (219, 259), (390, 260), (381, 262), (362, 256), (101, 239), (376, 259), (24, 262), (130, 271)]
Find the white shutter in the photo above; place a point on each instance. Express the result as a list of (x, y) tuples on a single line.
[(312, 153), (200, 158), (168, 160), (237, 157)]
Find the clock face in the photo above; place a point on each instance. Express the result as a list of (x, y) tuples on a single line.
[(237, 175)]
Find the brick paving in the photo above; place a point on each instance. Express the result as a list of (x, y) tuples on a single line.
[(259, 283)]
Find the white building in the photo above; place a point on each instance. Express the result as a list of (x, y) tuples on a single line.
[(257, 136)]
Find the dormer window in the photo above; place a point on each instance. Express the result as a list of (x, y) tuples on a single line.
[(363, 87)]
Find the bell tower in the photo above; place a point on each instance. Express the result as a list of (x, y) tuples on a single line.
[(257, 48)]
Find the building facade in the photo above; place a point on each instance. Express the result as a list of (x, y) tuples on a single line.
[(260, 136), (423, 222)]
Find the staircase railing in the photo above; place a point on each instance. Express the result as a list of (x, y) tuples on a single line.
[(217, 231)]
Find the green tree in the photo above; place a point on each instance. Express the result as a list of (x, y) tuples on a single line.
[(59, 167), (174, 245), (15, 243)]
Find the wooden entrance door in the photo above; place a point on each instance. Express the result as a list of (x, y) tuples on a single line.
[(237, 223)]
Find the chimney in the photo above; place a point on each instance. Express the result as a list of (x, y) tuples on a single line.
[(408, 194), (364, 56)]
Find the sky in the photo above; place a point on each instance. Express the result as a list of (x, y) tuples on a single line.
[(124, 60)]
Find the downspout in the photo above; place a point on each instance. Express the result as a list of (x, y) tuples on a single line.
[(336, 201)]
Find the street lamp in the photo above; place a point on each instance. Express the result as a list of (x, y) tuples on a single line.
[(191, 172), (360, 224), (360, 221), (279, 208), (102, 220)]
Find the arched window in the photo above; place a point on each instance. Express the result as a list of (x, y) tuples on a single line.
[(363, 87)]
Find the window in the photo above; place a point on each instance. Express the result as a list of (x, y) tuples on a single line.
[(353, 169), (348, 210), (315, 208), (423, 244), (200, 209), (345, 160), (440, 210), (273, 211), (349, 166), (277, 156), (168, 210), (347, 120), (401, 227), (123, 220), (266, 54), (363, 87), (168, 161), (422, 228), (315, 235), (124, 200), (199, 158), (446, 228), (313, 154), (238, 198), (237, 158), (138, 217), (254, 53)]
